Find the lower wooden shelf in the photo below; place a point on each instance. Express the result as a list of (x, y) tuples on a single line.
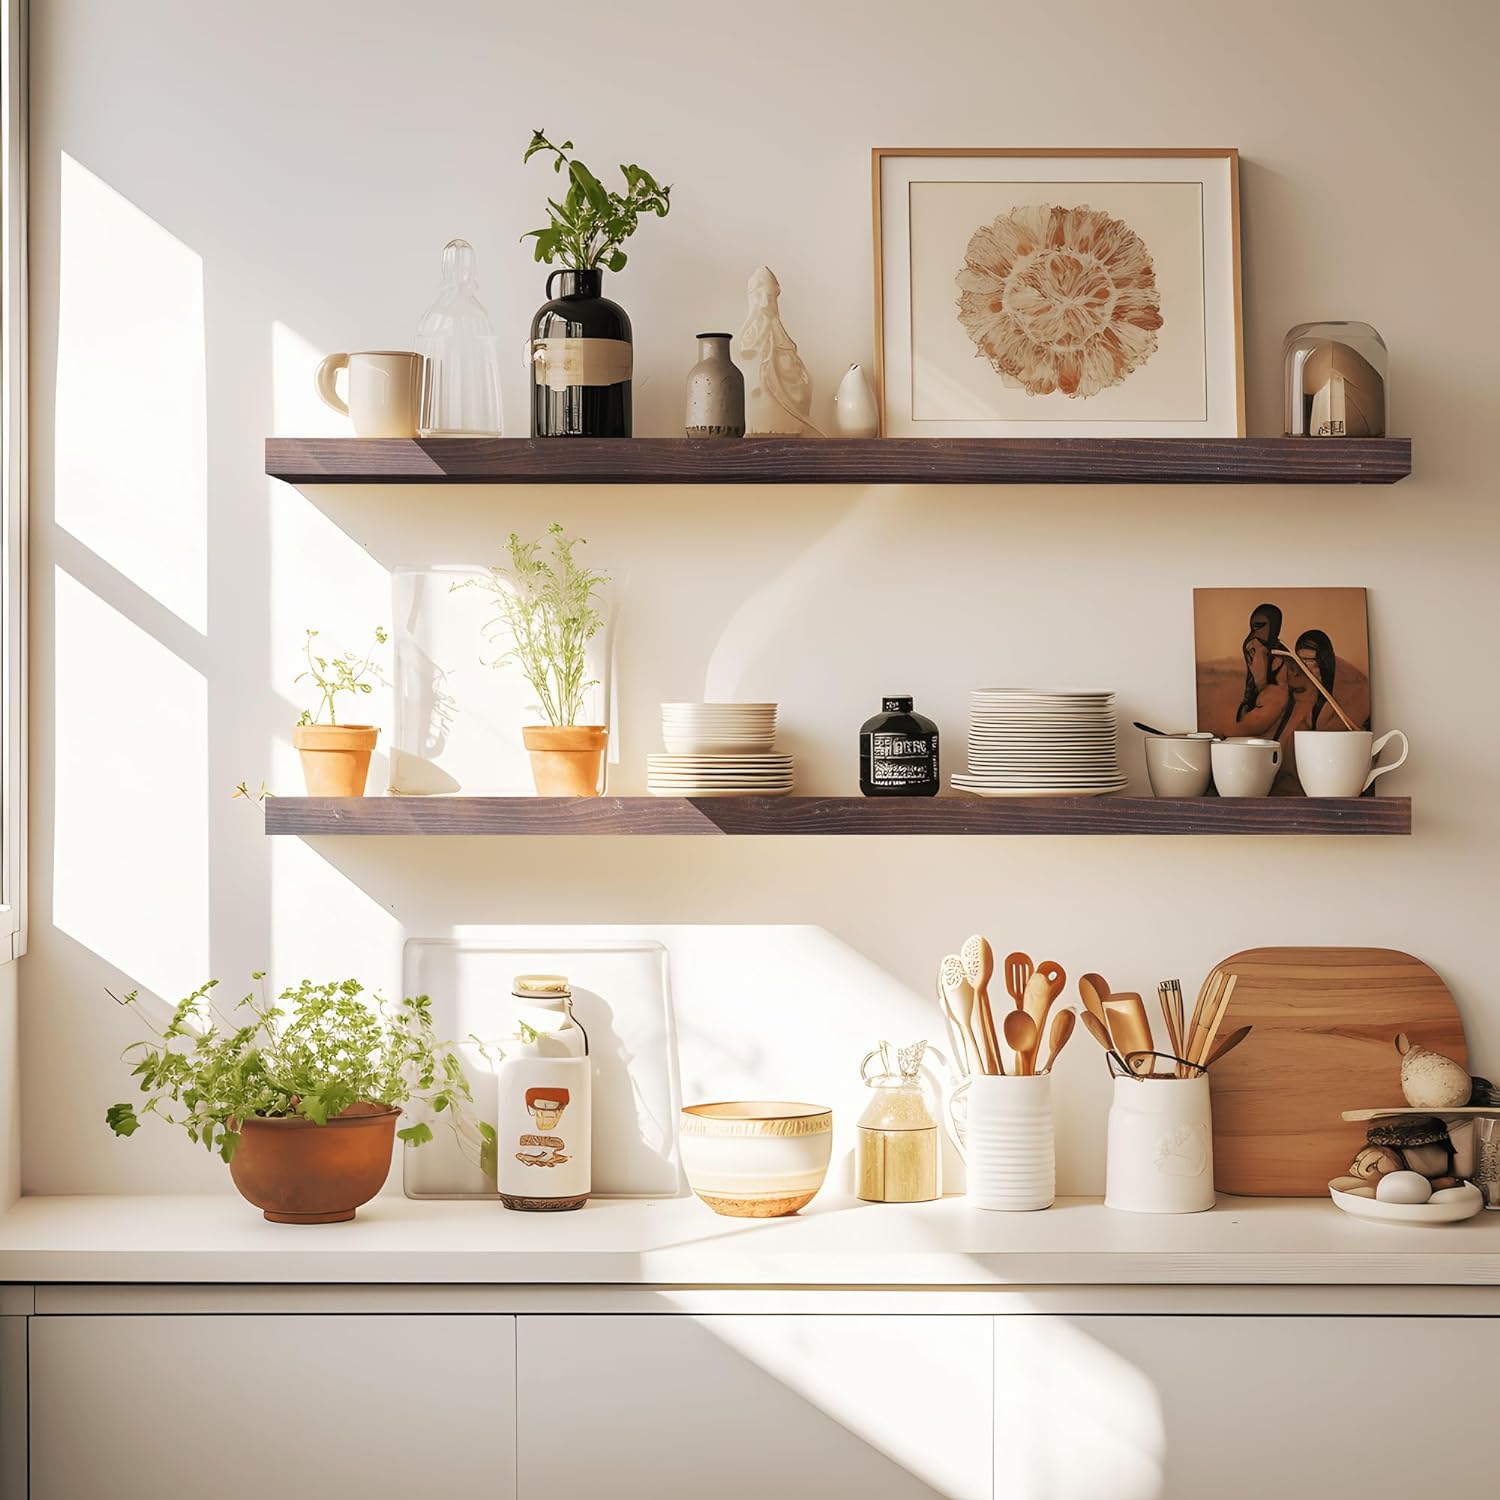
[(830, 816)]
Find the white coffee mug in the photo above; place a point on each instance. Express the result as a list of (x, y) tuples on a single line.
[(1245, 767), (1337, 762), (385, 391), (1178, 765)]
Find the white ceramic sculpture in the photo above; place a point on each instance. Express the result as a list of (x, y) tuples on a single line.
[(778, 397), (854, 414)]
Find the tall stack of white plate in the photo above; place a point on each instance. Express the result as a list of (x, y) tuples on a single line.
[(719, 750), (1027, 743)]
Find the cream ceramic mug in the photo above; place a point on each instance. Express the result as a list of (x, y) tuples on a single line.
[(1337, 762), (385, 391), (1245, 767)]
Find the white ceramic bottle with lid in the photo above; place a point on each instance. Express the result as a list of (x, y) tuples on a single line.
[(542, 1142)]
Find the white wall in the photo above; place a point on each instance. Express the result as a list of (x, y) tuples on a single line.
[(224, 193)]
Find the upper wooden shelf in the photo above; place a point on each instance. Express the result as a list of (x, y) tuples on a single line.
[(839, 461), (835, 816)]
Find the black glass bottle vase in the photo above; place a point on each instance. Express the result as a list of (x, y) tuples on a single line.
[(580, 360)]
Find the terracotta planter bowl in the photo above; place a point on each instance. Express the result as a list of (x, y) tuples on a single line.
[(567, 762), (300, 1173), (335, 757)]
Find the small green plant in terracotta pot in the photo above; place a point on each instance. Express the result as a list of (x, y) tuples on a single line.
[(336, 757), (300, 1098), (547, 612)]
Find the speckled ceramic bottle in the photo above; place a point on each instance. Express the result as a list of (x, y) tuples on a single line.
[(715, 391)]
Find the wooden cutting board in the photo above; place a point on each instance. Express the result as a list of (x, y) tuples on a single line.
[(1325, 1020)]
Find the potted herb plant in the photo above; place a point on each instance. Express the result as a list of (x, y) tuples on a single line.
[(546, 614), (581, 347), (336, 757), (300, 1098)]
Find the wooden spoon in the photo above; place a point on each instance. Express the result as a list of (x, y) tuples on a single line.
[(1211, 1030), (1021, 1037), (960, 996), (979, 968), (1094, 992), (1018, 967), (1229, 1043), (1128, 1027), (1096, 1029), (1062, 1028)]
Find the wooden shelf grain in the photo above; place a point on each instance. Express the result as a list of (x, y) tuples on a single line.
[(841, 461), (314, 817)]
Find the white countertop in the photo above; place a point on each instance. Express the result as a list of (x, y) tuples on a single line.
[(836, 1242)]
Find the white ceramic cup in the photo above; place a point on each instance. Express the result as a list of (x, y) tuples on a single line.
[(1337, 762), (1245, 767), (1007, 1143), (1179, 765), (385, 391), (1161, 1146)]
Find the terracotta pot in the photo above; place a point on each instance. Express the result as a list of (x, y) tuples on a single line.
[(335, 757), (567, 762), (300, 1173)]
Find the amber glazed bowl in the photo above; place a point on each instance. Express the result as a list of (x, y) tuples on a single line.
[(300, 1173), (756, 1158)]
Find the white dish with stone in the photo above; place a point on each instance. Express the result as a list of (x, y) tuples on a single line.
[(1466, 1202)]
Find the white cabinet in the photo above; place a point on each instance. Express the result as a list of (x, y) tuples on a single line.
[(1178, 1408), (669, 1406), (242, 1408)]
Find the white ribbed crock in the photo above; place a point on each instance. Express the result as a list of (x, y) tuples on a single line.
[(1008, 1143)]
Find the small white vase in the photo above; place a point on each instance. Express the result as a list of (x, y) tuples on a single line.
[(854, 413), (1008, 1146)]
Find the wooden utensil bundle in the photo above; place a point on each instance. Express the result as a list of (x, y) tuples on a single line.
[(963, 988), (1193, 1041)]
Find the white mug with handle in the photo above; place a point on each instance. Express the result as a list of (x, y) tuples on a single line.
[(1340, 762), (385, 391)]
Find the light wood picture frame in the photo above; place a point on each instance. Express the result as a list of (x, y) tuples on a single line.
[(1066, 292)]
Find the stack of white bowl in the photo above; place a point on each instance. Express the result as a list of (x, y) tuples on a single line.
[(719, 750), (1027, 743)]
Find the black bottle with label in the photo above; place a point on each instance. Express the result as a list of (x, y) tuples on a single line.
[(581, 360), (898, 753)]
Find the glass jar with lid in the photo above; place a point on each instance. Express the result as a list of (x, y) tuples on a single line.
[(897, 1153)]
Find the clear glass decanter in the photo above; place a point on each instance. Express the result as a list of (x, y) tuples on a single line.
[(461, 379)]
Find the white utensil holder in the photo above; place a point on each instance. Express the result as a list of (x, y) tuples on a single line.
[(1161, 1146), (1007, 1144)]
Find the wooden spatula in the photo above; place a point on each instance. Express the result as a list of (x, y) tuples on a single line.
[(1128, 1028), (1096, 1029), (979, 968), (1018, 967)]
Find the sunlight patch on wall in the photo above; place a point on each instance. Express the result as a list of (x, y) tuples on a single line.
[(131, 462), (130, 871)]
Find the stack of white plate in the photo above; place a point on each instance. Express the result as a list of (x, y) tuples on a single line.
[(718, 728), (1025, 743), (719, 750)]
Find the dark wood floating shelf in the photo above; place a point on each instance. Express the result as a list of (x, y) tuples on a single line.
[(841, 461), (832, 816)]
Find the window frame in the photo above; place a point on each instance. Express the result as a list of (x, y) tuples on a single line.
[(14, 474)]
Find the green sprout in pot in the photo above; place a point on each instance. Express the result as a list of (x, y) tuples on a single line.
[(332, 675), (546, 613), (336, 757), (300, 1097), (590, 223)]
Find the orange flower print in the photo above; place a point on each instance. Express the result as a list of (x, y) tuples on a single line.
[(1059, 299)]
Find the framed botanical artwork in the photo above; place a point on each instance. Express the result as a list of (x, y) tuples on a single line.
[(1058, 293)]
